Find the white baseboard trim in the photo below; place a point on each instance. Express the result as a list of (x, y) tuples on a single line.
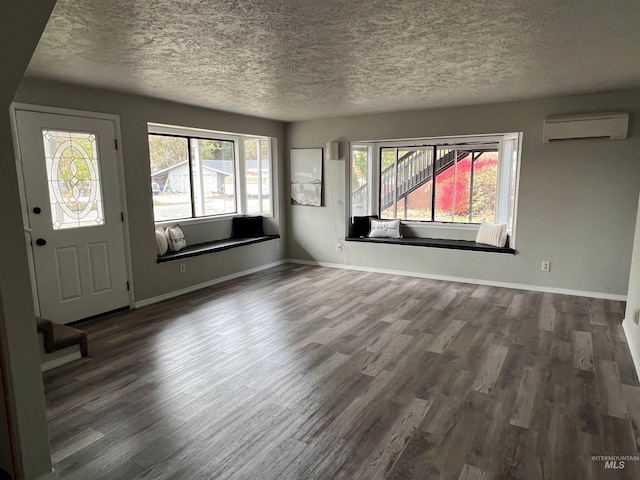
[(635, 355), (193, 288), (58, 362), (475, 281)]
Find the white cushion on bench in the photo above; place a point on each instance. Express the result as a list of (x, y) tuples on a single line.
[(161, 242), (175, 238), (385, 229), (492, 234)]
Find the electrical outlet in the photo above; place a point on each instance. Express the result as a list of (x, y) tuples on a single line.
[(636, 316), (183, 268), (277, 245), (546, 265)]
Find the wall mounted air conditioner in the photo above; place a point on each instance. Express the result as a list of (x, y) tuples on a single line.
[(596, 125)]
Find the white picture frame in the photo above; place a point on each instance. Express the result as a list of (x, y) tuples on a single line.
[(306, 176)]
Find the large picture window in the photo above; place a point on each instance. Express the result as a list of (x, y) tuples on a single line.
[(450, 181), (206, 174)]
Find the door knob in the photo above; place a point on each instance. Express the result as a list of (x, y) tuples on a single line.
[(37, 210), (41, 242)]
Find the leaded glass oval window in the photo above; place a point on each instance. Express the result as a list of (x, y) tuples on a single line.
[(73, 176)]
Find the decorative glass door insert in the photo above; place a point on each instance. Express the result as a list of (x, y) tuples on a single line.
[(73, 177)]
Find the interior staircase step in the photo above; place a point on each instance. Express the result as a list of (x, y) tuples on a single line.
[(58, 336)]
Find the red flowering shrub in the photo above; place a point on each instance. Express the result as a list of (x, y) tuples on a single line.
[(454, 184)]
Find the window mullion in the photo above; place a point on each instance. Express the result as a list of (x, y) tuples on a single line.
[(273, 172), (433, 183), (259, 157), (240, 175), (473, 171), (395, 184), (455, 185), (502, 187), (200, 178), (191, 183), (380, 189), (374, 187)]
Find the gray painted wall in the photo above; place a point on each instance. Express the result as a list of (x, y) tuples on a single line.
[(633, 299), (577, 201), (21, 24), (151, 279)]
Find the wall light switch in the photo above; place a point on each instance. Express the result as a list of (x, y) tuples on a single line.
[(636, 316)]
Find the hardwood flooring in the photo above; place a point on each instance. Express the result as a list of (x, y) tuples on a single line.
[(302, 372)]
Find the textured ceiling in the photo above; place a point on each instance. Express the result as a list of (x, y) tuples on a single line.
[(302, 59)]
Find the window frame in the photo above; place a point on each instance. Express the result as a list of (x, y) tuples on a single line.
[(239, 161), (271, 145), (505, 213)]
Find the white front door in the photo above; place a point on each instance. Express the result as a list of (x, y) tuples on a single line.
[(74, 212)]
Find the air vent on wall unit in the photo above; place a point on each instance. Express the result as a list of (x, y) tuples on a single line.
[(613, 126)]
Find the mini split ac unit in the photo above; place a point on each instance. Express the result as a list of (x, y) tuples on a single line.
[(613, 126)]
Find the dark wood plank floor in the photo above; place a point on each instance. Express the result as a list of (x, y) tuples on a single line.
[(303, 372)]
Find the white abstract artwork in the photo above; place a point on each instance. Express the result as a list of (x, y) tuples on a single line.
[(306, 176)]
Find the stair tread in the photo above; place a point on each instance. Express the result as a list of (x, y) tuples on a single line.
[(58, 336)]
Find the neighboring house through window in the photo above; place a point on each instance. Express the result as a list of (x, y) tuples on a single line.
[(198, 173)]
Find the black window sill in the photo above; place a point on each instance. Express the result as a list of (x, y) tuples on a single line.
[(211, 247), (436, 243)]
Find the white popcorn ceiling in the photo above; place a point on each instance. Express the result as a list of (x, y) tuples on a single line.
[(303, 59)]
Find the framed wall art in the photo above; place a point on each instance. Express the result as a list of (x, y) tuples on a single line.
[(306, 176)]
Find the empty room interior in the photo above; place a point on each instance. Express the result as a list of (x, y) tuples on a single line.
[(320, 240)]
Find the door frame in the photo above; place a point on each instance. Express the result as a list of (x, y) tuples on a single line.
[(15, 106)]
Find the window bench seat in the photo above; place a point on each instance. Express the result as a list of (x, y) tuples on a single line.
[(215, 246), (435, 243)]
